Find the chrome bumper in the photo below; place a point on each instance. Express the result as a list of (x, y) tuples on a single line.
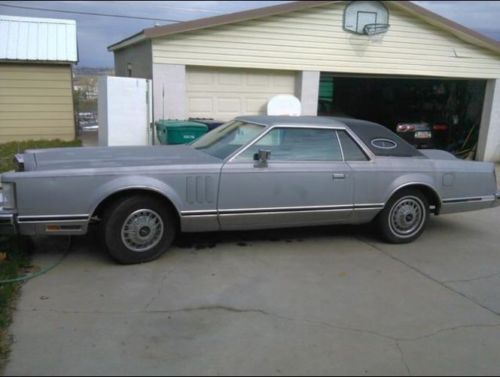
[(7, 219)]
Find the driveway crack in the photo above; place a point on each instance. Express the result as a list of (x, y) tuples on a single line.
[(429, 277), (473, 279), (160, 286), (403, 360)]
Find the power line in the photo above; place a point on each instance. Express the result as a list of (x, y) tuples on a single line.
[(161, 5), (91, 13)]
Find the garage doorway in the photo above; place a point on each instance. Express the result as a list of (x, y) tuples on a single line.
[(449, 109)]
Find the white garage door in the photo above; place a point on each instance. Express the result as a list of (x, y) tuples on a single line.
[(225, 93)]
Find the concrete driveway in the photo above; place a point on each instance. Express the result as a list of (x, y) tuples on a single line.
[(331, 300)]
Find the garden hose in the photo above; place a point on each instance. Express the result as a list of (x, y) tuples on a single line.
[(42, 272)]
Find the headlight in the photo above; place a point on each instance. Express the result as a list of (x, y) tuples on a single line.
[(9, 195)]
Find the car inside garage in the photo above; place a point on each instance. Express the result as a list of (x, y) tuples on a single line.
[(429, 113)]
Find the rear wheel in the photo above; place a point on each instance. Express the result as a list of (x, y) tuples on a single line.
[(404, 217), (138, 229)]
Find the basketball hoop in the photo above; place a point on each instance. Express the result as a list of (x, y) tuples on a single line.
[(374, 29), (375, 32)]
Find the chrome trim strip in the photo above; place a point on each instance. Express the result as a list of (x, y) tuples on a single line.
[(52, 218), (131, 187), (369, 205), (270, 128), (469, 199), (361, 206), (7, 218), (340, 146), (371, 156), (415, 183), (278, 212), (282, 209), (199, 213), (55, 220)]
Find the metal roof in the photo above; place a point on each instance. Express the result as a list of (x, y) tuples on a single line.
[(38, 39)]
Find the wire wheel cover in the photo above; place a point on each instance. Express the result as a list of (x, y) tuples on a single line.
[(407, 216), (142, 230)]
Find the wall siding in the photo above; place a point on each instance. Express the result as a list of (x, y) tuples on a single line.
[(36, 102), (314, 40), (139, 56)]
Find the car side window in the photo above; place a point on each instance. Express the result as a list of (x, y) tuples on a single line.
[(352, 151), (297, 144)]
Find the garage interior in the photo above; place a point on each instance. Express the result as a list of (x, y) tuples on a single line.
[(452, 108)]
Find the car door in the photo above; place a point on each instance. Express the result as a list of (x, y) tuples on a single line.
[(305, 182)]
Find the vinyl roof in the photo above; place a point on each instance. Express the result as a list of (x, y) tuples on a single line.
[(270, 120), (458, 30), (38, 39)]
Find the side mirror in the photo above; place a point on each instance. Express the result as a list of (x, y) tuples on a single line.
[(261, 158)]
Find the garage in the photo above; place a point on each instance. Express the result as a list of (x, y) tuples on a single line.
[(225, 93), (429, 113), (392, 62)]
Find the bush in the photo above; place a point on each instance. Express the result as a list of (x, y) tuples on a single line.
[(8, 150)]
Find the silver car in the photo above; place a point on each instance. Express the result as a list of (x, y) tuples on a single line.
[(252, 173)]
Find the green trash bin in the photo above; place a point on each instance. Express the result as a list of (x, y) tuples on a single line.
[(179, 131)]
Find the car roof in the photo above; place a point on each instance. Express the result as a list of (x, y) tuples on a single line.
[(304, 120), (365, 130)]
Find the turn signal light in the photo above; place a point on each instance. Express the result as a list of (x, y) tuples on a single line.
[(440, 127)]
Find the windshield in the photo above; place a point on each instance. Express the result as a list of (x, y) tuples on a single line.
[(224, 140)]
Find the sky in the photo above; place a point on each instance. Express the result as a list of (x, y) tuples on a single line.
[(95, 32)]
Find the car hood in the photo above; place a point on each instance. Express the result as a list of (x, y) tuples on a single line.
[(113, 157)]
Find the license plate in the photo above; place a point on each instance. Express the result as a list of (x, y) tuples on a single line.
[(423, 135)]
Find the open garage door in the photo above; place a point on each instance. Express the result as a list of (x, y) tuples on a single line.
[(443, 113), (225, 93)]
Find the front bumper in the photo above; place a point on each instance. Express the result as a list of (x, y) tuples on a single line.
[(7, 219)]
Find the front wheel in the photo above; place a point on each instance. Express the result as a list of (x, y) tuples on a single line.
[(138, 229), (404, 217)]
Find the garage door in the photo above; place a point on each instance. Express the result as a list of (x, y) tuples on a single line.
[(224, 93)]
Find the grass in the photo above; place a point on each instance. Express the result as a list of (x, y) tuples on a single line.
[(14, 252), (8, 150), (17, 259)]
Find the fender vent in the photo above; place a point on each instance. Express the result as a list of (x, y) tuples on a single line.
[(200, 189)]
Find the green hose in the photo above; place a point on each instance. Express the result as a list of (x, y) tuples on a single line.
[(39, 273)]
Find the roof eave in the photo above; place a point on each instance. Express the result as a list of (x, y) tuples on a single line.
[(133, 39), (231, 18), (460, 31)]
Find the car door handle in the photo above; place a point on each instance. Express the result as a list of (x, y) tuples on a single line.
[(339, 176)]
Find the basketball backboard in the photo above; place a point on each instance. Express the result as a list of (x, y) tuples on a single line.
[(366, 17)]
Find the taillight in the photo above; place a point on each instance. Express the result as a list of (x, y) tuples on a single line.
[(440, 127), (405, 128)]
